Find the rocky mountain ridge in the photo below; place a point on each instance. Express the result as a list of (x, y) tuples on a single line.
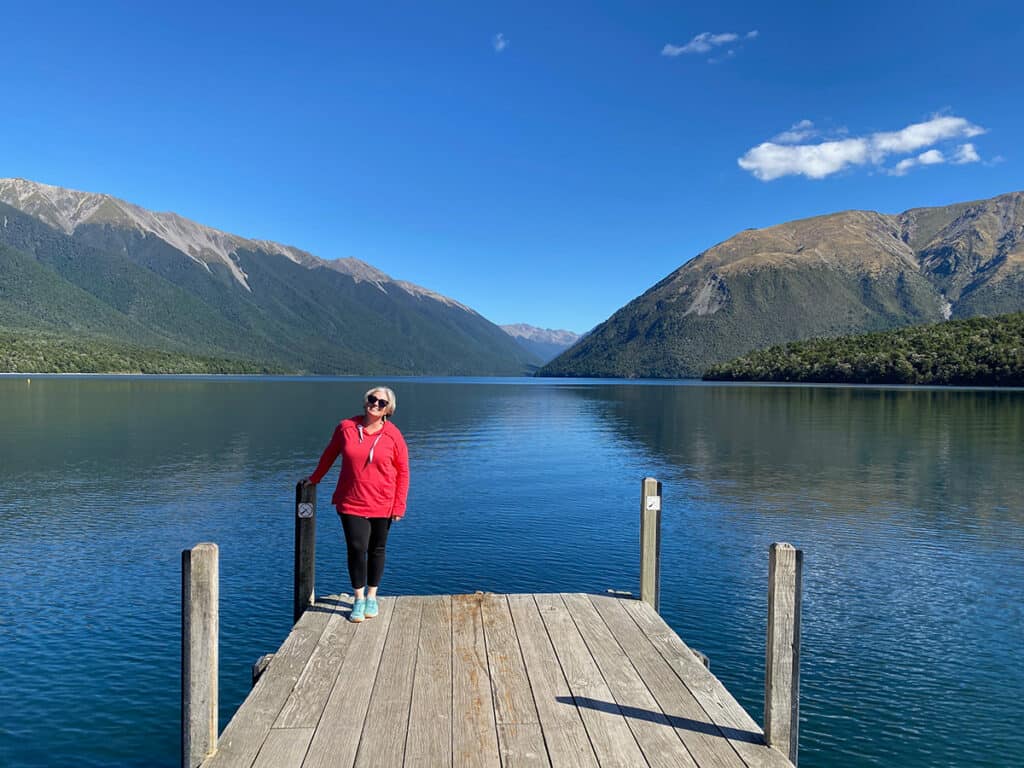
[(83, 265), (847, 272), (545, 343), (69, 210)]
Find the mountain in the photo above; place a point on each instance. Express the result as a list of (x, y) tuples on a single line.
[(90, 264), (849, 272), (544, 343)]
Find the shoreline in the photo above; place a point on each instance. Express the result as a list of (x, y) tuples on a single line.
[(521, 380)]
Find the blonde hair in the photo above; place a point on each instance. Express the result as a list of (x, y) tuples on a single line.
[(392, 400)]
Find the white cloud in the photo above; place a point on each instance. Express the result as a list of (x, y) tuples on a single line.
[(966, 153), (797, 132), (499, 42), (903, 166), (784, 155), (705, 42), (919, 135), (769, 161), (931, 157)]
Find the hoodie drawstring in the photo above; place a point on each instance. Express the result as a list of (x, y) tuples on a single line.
[(369, 459)]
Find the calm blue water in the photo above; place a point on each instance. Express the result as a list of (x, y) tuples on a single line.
[(907, 504)]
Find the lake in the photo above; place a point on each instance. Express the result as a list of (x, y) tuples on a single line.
[(906, 503)]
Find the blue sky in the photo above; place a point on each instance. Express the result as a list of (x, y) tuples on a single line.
[(541, 162)]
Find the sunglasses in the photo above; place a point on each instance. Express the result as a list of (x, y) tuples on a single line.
[(376, 401)]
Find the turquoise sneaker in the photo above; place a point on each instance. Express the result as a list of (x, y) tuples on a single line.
[(371, 607), (358, 611)]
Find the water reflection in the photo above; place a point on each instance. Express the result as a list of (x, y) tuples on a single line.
[(847, 450)]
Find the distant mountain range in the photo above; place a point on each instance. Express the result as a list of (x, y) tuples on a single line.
[(843, 273), (544, 343), (93, 266)]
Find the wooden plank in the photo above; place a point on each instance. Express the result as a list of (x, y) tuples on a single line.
[(734, 721), (284, 747), (520, 739), (660, 743), (522, 744), (703, 739), (336, 739), (306, 703), (387, 716), (244, 735), (474, 739), (429, 741), (564, 732), (610, 736)]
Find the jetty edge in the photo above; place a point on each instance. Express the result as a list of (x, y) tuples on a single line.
[(483, 679)]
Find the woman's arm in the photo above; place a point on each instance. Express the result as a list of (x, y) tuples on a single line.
[(401, 461), (327, 458)]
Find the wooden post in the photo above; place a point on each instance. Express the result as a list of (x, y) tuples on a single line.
[(782, 652), (200, 594), (650, 542), (305, 546)]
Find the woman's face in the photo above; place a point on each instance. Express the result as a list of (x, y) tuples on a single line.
[(376, 403)]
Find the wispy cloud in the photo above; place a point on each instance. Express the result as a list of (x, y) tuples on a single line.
[(788, 154), (499, 43), (966, 153), (931, 157), (797, 132), (707, 41)]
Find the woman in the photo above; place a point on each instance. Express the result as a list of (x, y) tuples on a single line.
[(371, 492)]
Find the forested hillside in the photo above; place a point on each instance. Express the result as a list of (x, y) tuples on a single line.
[(28, 352), (980, 351)]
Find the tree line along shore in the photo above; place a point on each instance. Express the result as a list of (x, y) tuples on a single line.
[(50, 353), (979, 351)]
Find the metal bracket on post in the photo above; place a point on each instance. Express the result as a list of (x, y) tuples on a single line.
[(650, 542), (305, 546)]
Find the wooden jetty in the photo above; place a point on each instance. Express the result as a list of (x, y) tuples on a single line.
[(487, 680)]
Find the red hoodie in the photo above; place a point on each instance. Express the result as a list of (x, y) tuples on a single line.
[(374, 480)]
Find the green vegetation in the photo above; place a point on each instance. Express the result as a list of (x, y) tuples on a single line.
[(980, 351), (133, 289), (46, 353)]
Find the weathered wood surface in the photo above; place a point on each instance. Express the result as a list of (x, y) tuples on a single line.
[(650, 542), (200, 623), (782, 649), (490, 680)]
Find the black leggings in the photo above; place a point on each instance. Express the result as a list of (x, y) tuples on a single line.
[(366, 538)]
